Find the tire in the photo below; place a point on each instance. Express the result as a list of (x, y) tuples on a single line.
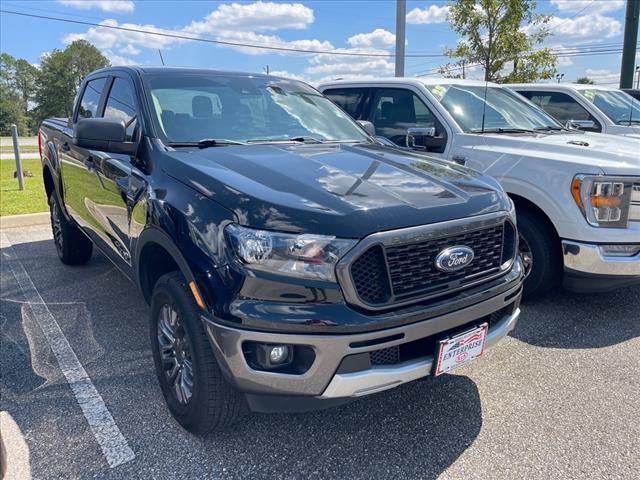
[(73, 246), (539, 241), (198, 396)]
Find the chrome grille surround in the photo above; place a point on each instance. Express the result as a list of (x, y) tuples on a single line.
[(416, 235), (634, 208)]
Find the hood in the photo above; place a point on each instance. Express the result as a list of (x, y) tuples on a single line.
[(610, 154), (336, 189)]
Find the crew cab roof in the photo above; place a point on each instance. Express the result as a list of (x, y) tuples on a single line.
[(143, 70), (559, 86)]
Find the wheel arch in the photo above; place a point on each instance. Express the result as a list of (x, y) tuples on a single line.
[(157, 254), (523, 203)]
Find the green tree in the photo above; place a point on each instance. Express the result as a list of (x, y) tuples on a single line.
[(61, 72), (17, 85), (11, 111), (585, 81), (497, 34)]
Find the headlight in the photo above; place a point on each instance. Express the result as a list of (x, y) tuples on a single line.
[(604, 201), (305, 256)]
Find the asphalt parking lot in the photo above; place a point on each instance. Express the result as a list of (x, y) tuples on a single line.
[(560, 398)]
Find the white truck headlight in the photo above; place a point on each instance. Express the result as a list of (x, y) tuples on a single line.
[(304, 256), (604, 200)]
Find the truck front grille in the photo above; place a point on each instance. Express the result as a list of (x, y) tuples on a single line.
[(413, 271), (388, 274)]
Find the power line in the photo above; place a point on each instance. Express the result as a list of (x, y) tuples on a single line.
[(583, 51), (223, 42)]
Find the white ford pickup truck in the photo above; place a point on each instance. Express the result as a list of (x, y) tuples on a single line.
[(577, 194), (592, 108)]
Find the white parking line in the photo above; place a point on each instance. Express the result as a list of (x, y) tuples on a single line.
[(113, 444)]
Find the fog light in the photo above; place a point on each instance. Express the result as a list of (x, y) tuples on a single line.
[(279, 354), (268, 356)]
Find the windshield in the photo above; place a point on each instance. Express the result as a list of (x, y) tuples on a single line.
[(619, 106), (504, 111), (193, 107)]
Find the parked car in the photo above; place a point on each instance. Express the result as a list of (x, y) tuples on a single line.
[(592, 108), (290, 261), (577, 195)]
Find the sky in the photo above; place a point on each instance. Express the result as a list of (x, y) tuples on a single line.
[(347, 26)]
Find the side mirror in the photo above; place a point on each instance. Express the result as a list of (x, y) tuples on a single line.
[(414, 132), (103, 134), (368, 127), (580, 124)]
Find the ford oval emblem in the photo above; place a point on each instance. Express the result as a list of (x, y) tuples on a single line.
[(453, 259)]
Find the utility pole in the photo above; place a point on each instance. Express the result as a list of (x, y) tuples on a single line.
[(401, 21), (630, 40)]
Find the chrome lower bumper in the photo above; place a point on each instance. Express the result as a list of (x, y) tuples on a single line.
[(588, 258), (321, 380), (380, 378)]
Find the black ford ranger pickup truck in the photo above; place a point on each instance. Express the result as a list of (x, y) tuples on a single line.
[(291, 261)]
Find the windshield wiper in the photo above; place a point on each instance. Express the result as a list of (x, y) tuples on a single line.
[(287, 140), (548, 128), (206, 143), (505, 130)]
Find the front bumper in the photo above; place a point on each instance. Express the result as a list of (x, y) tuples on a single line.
[(327, 380), (588, 270)]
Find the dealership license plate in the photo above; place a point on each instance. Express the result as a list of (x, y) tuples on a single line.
[(461, 349)]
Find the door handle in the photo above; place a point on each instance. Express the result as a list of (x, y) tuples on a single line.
[(66, 147)]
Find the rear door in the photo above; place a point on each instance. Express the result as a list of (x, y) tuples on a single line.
[(562, 107)]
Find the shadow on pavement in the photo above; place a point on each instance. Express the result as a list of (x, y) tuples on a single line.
[(415, 431), (562, 320)]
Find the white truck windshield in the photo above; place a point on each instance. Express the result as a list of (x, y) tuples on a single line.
[(505, 111)]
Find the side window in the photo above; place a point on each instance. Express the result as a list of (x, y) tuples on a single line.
[(349, 99), (91, 98), (396, 110), (121, 105), (561, 106)]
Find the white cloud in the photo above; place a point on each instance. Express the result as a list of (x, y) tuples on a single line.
[(125, 6), (271, 41), (107, 38), (572, 6), (256, 17), (563, 61), (381, 67), (228, 22), (585, 26), (286, 74), (430, 14), (130, 50), (118, 60), (332, 66), (379, 38), (603, 76)]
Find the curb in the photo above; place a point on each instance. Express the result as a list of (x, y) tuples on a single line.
[(26, 220)]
